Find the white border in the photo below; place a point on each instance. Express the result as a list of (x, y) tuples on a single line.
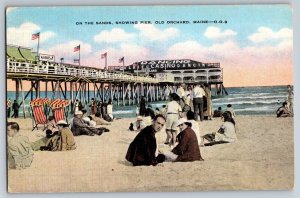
[(224, 194)]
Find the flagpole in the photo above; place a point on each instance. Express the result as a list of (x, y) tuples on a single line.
[(38, 46), (123, 64), (106, 61), (79, 56)]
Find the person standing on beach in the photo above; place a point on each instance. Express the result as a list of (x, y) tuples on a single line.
[(15, 107), (173, 113), (290, 98), (20, 154), (181, 93), (197, 97), (142, 106), (93, 107), (142, 149), (8, 107), (209, 110)]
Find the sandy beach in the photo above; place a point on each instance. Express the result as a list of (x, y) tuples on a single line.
[(261, 159)]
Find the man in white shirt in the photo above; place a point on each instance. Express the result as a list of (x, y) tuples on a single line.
[(197, 97), (181, 93)]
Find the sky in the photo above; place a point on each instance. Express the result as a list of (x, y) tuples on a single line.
[(253, 43)]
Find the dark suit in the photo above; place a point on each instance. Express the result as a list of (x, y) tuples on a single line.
[(142, 149)]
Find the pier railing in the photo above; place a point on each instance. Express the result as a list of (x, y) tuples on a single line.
[(69, 70)]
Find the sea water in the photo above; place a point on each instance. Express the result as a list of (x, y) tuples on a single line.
[(263, 100)]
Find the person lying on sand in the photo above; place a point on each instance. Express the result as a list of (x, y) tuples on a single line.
[(226, 133), (138, 125)]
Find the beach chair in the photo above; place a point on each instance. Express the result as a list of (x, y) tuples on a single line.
[(60, 109), (39, 115)]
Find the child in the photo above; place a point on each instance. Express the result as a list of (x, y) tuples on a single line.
[(20, 154)]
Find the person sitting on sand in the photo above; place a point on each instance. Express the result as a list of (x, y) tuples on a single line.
[(36, 146), (142, 149), (51, 125), (283, 111), (225, 134), (195, 126), (230, 109), (99, 120), (67, 139), (187, 149), (79, 127), (20, 154), (218, 113), (138, 125)]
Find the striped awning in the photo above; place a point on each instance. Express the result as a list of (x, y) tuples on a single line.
[(39, 101), (57, 103)]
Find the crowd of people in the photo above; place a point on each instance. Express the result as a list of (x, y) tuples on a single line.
[(182, 113), (180, 117), (59, 136)]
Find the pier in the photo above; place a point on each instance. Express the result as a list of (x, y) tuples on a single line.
[(123, 85)]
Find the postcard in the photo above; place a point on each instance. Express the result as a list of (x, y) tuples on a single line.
[(149, 98)]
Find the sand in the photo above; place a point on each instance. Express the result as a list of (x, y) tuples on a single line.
[(261, 159)]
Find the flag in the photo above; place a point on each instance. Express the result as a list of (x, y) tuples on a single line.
[(121, 60), (77, 48), (35, 36), (104, 55)]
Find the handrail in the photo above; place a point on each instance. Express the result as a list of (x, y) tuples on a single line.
[(66, 70)]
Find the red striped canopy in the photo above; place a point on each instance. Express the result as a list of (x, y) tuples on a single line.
[(39, 101)]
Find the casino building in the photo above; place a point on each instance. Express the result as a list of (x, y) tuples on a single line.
[(182, 71)]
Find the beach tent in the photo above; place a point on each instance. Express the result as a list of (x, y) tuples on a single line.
[(60, 109), (39, 111)]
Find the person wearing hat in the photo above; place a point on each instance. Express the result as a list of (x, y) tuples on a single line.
[(187, 149), (138, 125), (79, 127), (67, 138)]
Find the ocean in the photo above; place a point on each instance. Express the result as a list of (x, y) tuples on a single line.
[(245, 101)]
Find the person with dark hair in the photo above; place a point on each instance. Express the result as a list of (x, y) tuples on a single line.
[(231, 110), (197, 96), (283, 111), (142, 106), (187, 149), (208, 111), (195, 125), (109, 109), (142, 150), (20, 154), (173, 113), (51, 125), (15, 107), (225, 134), (79, 127), (8, 107), (218, 112), (290, 98), (93, 106)]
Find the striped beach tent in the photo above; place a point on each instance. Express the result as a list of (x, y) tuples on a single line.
[(60, 109), (38, 107)]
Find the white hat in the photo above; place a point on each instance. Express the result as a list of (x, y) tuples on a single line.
[(139, 118), (181, 121), (78, 112), (62, 122)]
